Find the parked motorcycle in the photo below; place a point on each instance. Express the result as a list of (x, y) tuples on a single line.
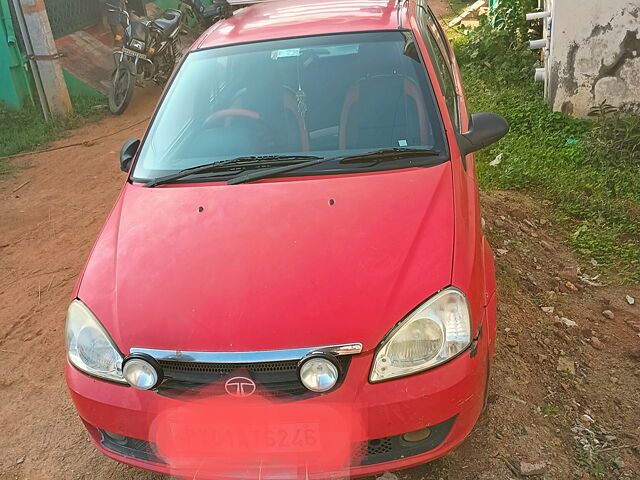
[(149, 52), (207, 15)]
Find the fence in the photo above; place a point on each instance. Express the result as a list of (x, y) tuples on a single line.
[(68, 16)]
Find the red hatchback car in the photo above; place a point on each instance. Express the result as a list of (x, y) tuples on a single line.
[(294, 281)]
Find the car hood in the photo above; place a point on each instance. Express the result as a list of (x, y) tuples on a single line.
[(280, 264)]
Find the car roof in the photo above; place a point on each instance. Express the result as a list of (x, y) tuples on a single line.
[(295, 18)]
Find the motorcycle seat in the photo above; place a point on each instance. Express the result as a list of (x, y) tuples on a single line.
[(169, 21)]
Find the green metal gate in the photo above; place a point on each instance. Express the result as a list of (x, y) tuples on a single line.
[(15, 84), (68, 16)]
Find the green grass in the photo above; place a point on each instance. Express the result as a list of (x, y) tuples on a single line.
[(548, 409), (26, 130), (599, 465), (595, 194)]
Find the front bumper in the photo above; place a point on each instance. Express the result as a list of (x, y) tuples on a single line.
[(372, 420)]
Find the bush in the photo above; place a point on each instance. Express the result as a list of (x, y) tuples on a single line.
[(486, 46)]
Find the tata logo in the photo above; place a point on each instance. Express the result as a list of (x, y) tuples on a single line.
[(240, 387)]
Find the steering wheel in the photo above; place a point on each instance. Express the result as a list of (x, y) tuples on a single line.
[(230, 112), (264, 135)]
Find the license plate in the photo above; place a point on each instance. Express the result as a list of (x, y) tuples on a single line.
[(126, 51), (287, 438), (217, 434)]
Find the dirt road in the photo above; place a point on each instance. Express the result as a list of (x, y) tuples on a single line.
[(52, 208), (50, 214)]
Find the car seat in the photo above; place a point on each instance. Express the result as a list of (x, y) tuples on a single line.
[(385, 108)]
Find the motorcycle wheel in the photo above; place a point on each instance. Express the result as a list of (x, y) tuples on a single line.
[(124, 83)]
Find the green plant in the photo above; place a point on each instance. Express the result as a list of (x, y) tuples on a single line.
[(506, 31), (595, 463), (615, 138), (548, 409), (509, 16)]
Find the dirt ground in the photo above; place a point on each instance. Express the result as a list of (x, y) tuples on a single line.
[(439, 7), (564, 398)]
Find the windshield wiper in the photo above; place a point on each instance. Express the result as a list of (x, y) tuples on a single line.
[(376, 157), (390, 154), (291, 162), (238, 162), (268, 172)]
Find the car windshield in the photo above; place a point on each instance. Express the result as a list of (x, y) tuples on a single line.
[(326, 96)]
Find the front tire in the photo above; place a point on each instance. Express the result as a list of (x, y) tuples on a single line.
[(124, 83)]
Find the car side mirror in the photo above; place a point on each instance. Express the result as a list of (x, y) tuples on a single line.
[(127, 153), (484, 129)]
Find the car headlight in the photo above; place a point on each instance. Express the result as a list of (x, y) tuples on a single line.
[(435, 332), (142, 371), (89, 347), (318, 373)]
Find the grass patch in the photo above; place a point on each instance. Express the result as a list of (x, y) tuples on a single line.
[(586, 168), (26, 130), (596, 463), (548, 409)]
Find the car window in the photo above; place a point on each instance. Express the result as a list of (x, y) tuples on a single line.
[(324, 95), (443, 65), (439, 35)]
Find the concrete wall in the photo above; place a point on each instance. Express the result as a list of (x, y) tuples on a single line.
[(594, 55)]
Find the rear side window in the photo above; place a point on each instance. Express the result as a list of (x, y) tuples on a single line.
[(440, 37), (442, 65)]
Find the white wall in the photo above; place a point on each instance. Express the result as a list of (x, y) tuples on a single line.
[(594, 55)]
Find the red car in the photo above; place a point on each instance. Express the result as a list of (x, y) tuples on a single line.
[(294, 281)]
